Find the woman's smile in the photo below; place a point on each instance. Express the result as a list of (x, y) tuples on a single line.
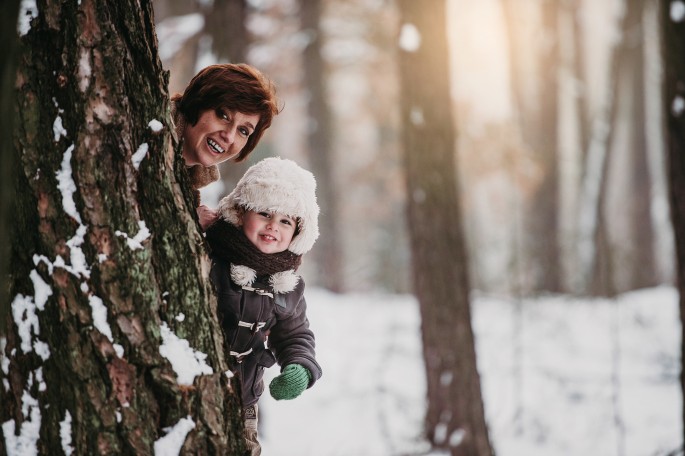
[(218, 135)]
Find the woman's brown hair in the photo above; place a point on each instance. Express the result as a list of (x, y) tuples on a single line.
[(237, 87)]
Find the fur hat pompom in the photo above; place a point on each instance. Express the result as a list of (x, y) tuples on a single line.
[(277, 185)]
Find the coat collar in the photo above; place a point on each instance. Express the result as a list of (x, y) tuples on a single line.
[(281, 282)]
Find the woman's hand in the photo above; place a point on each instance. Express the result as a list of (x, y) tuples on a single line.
[(207, 216)]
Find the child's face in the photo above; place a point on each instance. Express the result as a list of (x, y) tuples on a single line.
[(270, 232), (217, 136)]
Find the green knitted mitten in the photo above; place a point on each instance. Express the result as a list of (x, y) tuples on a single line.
[(293, 380)]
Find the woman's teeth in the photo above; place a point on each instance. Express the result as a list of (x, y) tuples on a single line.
[(214, 145)]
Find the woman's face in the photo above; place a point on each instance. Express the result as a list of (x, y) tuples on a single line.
[(270, 232), (218, 135)]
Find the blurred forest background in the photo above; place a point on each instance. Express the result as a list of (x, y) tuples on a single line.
[(558, 117), (559, 156)]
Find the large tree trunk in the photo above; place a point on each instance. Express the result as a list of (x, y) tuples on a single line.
[(328, 251), (455, 418), (673, 51), (108, 267)]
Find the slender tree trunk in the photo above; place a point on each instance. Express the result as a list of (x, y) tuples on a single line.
[(544, 216), (626, 95), (455, 418), (656, 148), (573, 8), (643, 271), (673, 52), (593, 250), (108, 267), (226, 24), (571, 138), (536, 100), (328, 250)]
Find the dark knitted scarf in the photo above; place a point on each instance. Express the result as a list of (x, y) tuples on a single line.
[(230, 244)]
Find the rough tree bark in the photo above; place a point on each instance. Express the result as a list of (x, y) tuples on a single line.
[(455, 418), (106, 254), (673, 53)]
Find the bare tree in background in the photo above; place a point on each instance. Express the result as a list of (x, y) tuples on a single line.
[(596, 197), (600, 254), (225, 23), (628, 253), (455, 419), (643, 267), (328, 251), (221, 33), (107, 260), (534, 74), (673, 52), (182, 62)]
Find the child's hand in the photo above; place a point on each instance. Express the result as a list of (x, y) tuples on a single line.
[(293, 380), (206, 215)]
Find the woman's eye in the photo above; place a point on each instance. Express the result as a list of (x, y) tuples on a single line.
[(245, 132), (286, 222), (265, 214), (222, 114)]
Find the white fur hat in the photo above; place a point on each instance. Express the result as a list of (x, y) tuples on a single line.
[(277, 185)]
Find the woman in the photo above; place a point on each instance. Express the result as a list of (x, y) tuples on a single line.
[(221, 115)]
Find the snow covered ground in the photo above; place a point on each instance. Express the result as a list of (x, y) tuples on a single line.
[(560, 376)]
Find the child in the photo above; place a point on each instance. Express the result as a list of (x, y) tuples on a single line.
[(264, 227)]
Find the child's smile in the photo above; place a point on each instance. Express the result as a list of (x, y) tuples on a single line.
[(270, 232)]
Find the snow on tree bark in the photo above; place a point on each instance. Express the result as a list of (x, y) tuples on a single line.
[(105, 252)]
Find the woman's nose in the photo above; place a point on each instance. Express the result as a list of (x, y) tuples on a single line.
[(229, 135)]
